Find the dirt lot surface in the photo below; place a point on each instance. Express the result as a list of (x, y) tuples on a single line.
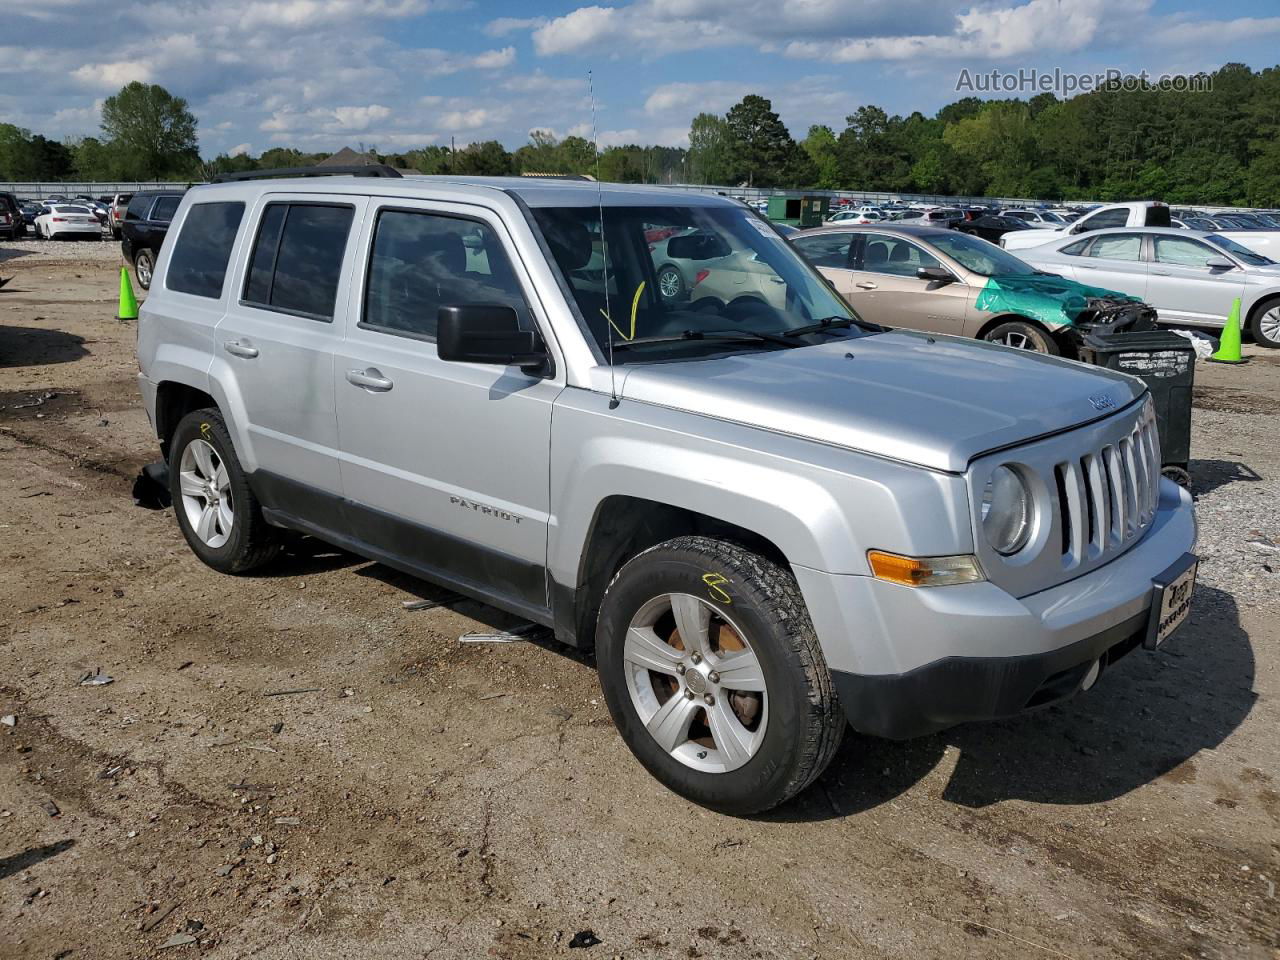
[(430, 799)]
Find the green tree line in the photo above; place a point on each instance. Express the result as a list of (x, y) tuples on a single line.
[(1221, 146)]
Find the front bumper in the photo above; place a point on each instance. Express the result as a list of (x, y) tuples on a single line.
[(908, 661)]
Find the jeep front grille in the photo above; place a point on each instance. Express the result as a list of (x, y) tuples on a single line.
[(1107, 497)]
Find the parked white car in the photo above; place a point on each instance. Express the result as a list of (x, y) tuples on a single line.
[(1140, 213), (855, 216), (1189, 276), (1040, 219), (63, 220)]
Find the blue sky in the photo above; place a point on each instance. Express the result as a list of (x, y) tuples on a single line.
[(398, 74)]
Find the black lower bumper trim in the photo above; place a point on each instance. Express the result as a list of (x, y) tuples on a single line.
[(959, 689)]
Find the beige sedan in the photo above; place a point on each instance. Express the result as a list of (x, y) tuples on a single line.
[(943, 281)]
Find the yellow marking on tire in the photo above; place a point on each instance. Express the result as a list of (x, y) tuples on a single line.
[(714, 589)]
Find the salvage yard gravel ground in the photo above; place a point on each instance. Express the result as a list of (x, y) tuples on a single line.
[(293, 766)]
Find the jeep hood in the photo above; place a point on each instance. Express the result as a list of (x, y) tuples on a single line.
[(937, 402)]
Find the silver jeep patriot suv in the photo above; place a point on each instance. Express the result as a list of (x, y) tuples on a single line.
[(767, 517)]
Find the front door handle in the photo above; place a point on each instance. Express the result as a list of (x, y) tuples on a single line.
[(865, 285), (370, 379), (1160, 273), (240, 348)]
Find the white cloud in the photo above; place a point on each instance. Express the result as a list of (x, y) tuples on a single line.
[(714, 97), (112, 76), (505, 25), (360, 118), (238, 150), (494, 59), (990, 33)]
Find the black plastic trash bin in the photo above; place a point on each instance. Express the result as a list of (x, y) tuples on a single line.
[(1166, 362)]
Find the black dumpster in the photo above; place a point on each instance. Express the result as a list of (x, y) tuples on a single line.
[(1166, 362)]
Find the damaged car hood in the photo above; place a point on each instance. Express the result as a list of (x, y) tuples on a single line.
[(933, 401), (1052, 299)]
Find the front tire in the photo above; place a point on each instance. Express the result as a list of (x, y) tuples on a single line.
[(1023, 335), (714, 676), (217, 512), (1264, 325), (144, 267)]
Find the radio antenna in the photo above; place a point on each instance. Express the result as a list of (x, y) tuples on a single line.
[(604, 247)]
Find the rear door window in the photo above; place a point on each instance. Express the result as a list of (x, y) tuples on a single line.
[(198, 264), (825, 249), (297, 258), (1121, 246)]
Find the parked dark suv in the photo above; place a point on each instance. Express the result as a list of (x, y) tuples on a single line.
[(146, 221), (12, 225)]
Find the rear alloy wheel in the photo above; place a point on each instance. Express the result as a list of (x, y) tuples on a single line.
[(714, 676), (1022, 335), (144, 265), (1265, 325), (216, 509)]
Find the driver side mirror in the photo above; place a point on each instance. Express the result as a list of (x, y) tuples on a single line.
[(488, 333), (1219, 263), (935, 275)]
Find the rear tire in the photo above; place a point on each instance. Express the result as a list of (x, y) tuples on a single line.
[(671, 284), (216, 510), (1264, 325), (746, 712), (1023, 335), (144, 268)]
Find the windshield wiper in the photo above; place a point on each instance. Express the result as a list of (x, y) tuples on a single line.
[(727, 336), (835, 323)]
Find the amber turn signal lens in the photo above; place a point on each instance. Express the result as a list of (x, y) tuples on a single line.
[(924, 571)]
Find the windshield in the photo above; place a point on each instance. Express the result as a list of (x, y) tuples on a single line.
[(979, 256), (709, 278), (1051, 217), (1239, 250)]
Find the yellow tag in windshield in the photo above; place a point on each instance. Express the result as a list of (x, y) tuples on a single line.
[(635, 305)]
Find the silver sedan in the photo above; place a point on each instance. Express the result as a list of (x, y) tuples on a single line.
[(1189, 276)]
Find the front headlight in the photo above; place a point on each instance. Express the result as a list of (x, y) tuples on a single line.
[(1006, 511)]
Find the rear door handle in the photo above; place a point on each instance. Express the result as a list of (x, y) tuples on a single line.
[(239, 348), (370, 379), (1161, 273), (865, 285)]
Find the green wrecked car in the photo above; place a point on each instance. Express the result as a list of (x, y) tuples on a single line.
[(943, 281)]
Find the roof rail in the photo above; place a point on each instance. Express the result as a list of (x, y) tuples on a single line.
[(361, 170)]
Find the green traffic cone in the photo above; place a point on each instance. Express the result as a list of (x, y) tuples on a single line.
[(128, 309), (1229, 345)]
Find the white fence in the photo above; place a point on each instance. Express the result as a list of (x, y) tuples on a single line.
[(31, 190)]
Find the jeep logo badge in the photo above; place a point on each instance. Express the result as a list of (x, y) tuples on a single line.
[(1101, 401)]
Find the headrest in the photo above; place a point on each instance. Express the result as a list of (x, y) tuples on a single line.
[(570, 242), (901, 254), (877, 253), (443, 253)]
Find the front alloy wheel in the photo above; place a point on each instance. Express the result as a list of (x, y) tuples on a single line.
[(714, 676), (695, 683)]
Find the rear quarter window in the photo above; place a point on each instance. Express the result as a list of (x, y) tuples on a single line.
[(297, 258), (138, 208), (198, 263), (165, 208)]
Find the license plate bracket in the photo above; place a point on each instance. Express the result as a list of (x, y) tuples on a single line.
[(1171, 599)]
